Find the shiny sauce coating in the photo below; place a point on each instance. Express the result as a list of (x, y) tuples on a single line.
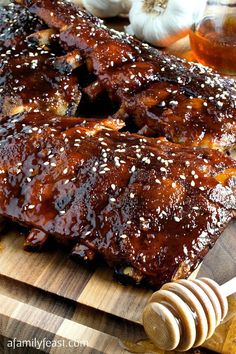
[(140, 203)]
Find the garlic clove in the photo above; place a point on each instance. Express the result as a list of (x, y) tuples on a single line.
[(126, 6), (107, 8)]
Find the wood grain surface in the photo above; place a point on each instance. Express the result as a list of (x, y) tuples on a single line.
[(54, 272), (46, 295)]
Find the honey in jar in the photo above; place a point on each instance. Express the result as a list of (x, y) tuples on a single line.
[(213, 41)]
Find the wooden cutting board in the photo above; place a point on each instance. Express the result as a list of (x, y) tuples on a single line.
[(46, 295), (49, 296)]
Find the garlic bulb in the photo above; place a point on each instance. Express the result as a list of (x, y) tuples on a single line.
[(162, 22), (107, 8)]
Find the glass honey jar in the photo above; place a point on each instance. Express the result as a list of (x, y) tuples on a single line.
[(213, 37)]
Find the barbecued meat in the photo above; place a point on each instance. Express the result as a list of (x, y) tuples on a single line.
[(165, 96), (149, 207), (16, 24), (29, 79)]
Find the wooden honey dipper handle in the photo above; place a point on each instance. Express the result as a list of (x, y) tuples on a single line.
[(183, 314), (229, 287)]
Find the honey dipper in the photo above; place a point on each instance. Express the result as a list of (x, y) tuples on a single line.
[(185, 313)]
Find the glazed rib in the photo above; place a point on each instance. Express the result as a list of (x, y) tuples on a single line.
[(29, 79), (151, 209), (198, 106)]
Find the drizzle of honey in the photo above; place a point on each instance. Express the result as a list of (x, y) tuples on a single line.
[(142, 346), (146, 347), (213, 43), (223, 340)]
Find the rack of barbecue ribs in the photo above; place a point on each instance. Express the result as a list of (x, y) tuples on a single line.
[(149, 207), (106, 144), (162, 95)]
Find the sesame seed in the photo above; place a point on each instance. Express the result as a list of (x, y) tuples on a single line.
[(146, 160), (174, 103)]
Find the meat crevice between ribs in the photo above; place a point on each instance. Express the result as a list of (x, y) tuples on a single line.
[(111, 188), (164, 95)]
